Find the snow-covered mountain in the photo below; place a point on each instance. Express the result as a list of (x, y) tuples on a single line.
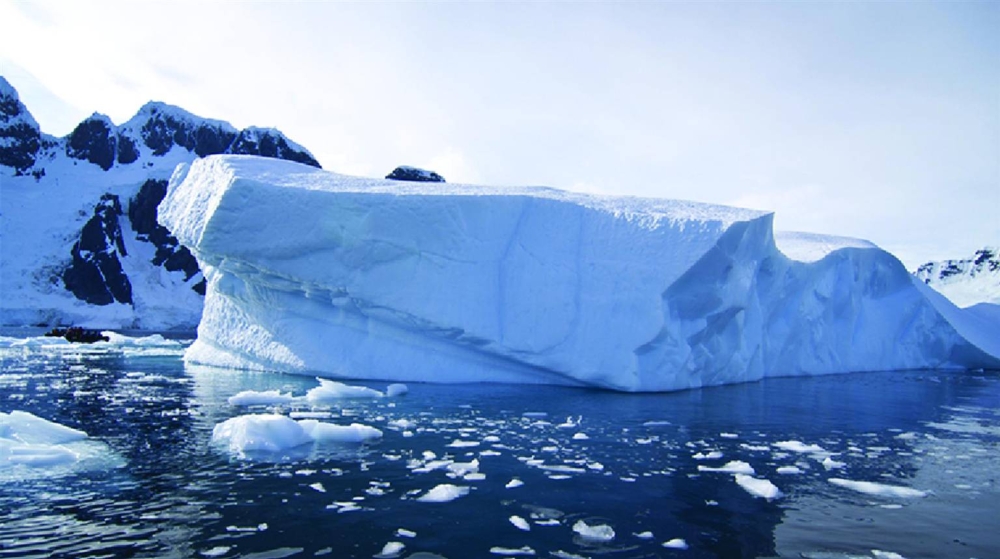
[(968, 281), (319, 273), (79, 240)]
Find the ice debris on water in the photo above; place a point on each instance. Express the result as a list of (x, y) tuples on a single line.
[(594, 532)]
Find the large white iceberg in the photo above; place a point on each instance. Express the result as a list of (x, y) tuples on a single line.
[(315, 272)]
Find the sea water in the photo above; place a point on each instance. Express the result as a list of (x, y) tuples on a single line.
[(871, 465)]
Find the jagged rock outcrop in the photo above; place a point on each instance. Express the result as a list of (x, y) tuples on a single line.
[(95, 273)]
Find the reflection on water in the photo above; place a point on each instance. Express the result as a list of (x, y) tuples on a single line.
[(626, 461)]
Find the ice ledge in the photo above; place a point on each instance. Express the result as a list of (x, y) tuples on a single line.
[(313, 272)]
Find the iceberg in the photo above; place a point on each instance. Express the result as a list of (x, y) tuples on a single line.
[(318, 273)]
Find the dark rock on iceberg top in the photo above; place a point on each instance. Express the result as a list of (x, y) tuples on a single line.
[(95, 274), (407, 173)]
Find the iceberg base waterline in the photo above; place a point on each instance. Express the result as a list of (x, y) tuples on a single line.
[(314, 272)]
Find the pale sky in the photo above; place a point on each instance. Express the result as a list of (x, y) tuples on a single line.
[(878, 120)]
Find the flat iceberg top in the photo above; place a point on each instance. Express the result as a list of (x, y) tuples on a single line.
[(292, 175), (811, 247)]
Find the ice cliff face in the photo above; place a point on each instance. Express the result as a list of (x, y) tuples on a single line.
[(966, 282), (319, 273), (81, 244)]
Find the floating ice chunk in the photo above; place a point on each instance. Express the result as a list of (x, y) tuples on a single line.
[(560, 554), (506, 551), (800, 447), (397, 389), (712, 455), (260, 432), (580, 437), (331, 390), (474, 476), (310, 415), (520, 523), (676, 543), (402, 423), (570, 422), (404, 533), (758, 487), (644, 535), (328, 432), (444, 493), (217, 551), (463, 443), (879, 554), (255, 398), (731, 467), (514, 483), (831, 464), (463, 468), (596, 532), (318, 487), (788, 470), (13, 453), (878, 489), (728, 436), (391, 550), (28, 428)]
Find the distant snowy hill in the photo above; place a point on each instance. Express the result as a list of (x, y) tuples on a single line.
[(79, 240), (966, 282)]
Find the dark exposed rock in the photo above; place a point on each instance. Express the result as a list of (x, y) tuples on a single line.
[(95, 273), (95, 141), (20, 138), (413, 174), (77, 334), (167, 126), (127, 151), (269, 143), (142, 215)]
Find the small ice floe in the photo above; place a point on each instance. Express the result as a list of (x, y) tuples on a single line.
[(310, 415), (570, 422), (276, 433), (644, 535), (514, 483), (444, 493), (391, 550), (800, 447), (520, 523), (711, 455), (404, 533), (879, 554), (878, 489), (676, 543), (594, 532), (265, 398), (217, 551), (511, 552), (831, 464), (758, 487), (560, 554), (580, 437), (463, 443), (789, 470), (318, 487), (656, 423), (31, 446), (331, 390), (755, 447), (397, 389), (731, 467), (729, 435)]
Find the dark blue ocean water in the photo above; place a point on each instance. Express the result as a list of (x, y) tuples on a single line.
[(151, 483)]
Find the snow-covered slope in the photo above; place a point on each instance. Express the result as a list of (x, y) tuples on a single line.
[(968, 281), (314, 272), (79, 240)]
